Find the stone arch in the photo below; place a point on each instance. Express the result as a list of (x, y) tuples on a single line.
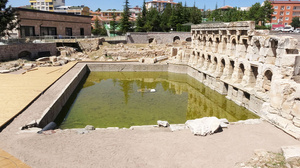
[(233, 43), (267, 79), (245, 43), (224, 44), (151, 40), (176, 38), (214, 64), (257, 45), (222, 66), (189, 39), (202, 59), (231, 67), (25, 54), (217, 40), (274, 46), (210, 41), (241, 72)]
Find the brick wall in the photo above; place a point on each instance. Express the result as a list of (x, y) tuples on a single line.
[(61, 21)]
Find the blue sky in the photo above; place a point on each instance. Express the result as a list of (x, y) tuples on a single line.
[(118, 4)]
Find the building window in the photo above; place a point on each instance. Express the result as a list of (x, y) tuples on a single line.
[(48, 31), (288, 7), (68, 31), (275, 7), (281, 13), (50, 3), (50, 8), (282, 8), (274, 13), (287, 13), (42, 3), (274, 18), (81, 31), (285, 24), (27, 31), (280, 19), (286, 18)]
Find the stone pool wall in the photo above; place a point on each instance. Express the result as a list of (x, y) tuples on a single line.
[(254, 69)]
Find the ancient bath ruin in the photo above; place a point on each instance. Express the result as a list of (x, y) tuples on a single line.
[(254, 69)]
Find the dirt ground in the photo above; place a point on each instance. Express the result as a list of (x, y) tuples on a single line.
[(157, 147)]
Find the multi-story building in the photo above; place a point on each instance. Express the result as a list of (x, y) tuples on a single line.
[(77, 10), (284, 11), (159, 5), (46, 5), (105, 17)]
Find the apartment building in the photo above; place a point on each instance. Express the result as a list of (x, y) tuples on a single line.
[(46, 5), (159, 5), (76, 10), (105, 17), (284, 11)]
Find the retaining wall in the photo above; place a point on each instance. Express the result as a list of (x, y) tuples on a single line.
[(30, 50), (159, 37)]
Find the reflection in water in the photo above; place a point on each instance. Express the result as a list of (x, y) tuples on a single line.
[(111, 99)]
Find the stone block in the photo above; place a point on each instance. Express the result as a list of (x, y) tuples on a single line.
[(291, 153), (203, 126), (177, 127), (296, 121), (296, 109), (278, 120), (287, 115)]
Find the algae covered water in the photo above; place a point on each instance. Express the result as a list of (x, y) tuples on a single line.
[(124, 99)]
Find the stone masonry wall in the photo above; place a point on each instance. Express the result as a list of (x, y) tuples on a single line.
[(159, 37), (255, 71), (32, 50)]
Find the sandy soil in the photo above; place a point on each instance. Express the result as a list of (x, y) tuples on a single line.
[(157, 147)]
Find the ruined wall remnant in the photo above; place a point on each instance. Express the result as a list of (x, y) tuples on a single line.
[(253, 69), (30, 50), (159, 37)]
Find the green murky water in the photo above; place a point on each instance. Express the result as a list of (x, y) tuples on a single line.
[(113, 99)]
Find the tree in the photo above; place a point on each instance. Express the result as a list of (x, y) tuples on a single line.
[(141, 20), (195, 15), (295, 22), (98, 30), (267, 10), (176, 18), (98, 10), (153, 20), (165, 18), (113, 24), (261, 14), (7, 18), (125, 24), (185, 14), (255, 13)]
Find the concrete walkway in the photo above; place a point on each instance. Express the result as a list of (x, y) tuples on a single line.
[(8, 161), (19, 90)]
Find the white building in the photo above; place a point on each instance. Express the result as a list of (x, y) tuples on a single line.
[(159, 5), (46, 5)]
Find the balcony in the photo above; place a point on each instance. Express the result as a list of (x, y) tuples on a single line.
[(296, 8)]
